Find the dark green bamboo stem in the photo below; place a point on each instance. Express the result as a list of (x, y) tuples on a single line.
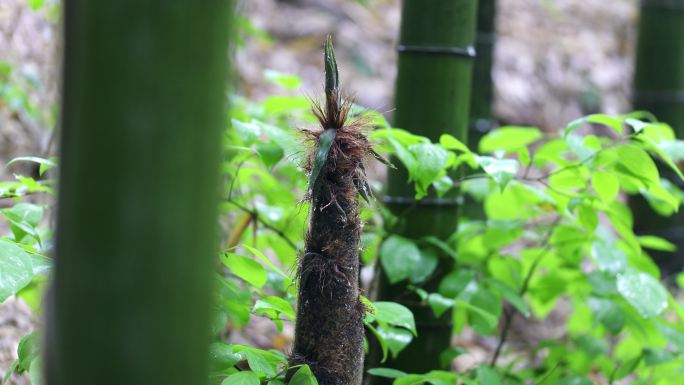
[(141, 118), (659, 88), (432, 98), (481, 119)]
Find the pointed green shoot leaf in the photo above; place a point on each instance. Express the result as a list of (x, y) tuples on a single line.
[(332, 76), (325, 142)]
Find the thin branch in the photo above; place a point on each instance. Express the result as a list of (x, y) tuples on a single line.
[(510, 312), (239, 230), (255, 215)]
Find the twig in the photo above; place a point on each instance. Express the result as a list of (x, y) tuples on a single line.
[(510, 312), (237, 233), (255, 216)]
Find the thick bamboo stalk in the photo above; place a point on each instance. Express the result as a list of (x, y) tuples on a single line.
[(141, 117), (659, 88), (432, 98)]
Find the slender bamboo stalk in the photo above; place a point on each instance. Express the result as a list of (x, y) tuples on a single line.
[(481, 120), (432, 98), (329, 329), (659, 88), (141, 118)]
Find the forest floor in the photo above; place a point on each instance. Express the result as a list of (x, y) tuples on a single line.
[(554, 62)]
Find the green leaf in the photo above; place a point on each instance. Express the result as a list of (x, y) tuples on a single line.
[(16, 269), (638, 162), (267, 262), (32, 185), (270, 152), (45, 164), (510, 295), (455, 282), (395, 314), (411, 379), (274, 303), (674, 149), (325, 141), (608, 257), (509, 138), (242, 378), (606, 120), (674, 336), (488, 376), (643, 292), (24, 218), (657, 132), (280, 104), (663, 200), (35, 5), (405, 156), (606, 185), (440, 245), (656, 243), (387, 372), (222, 357), (488, 320), (656, 148), (501, 170), (380, 338), (303, 376), (657, 356), (484, 311), (287, 81), (399, 258), (588, 217), (395, 338), (449, 142), (608, 313), (440, 377), (36, 371), (273, 357), (448, 355), (431, 160), (245, 268), (259, 364), (27, 351), (422, 271), (10, 371), (439, 304), (442, 185)]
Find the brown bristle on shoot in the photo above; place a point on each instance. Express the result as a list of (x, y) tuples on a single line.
[(329, 329)]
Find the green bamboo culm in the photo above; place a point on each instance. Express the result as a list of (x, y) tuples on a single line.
[(432, 98), (329, 329), (142, 111), (481, 119), (482, 90), (659, 89)]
